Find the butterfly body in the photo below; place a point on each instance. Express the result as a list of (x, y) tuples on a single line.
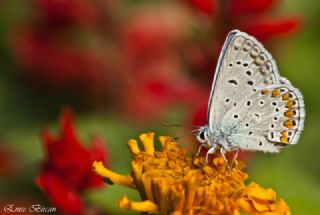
[(251, 107)]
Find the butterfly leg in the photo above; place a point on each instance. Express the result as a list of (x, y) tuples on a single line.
[(235, 158), (223, 154), (199, 149), (210, 151)]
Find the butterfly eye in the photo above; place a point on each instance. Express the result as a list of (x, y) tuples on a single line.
[(201, 135)]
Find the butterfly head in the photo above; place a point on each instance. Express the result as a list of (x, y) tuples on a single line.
[(202, 135)]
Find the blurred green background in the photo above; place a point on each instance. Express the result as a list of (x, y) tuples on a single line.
[(29, 100)]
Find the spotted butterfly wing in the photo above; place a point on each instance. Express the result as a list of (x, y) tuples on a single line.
[(258, 109)]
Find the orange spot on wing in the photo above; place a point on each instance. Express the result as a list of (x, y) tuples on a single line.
[(285, 96), (284, 133), (289, 104), (289, 124), (284, 140), (289, 113), (275, 93)]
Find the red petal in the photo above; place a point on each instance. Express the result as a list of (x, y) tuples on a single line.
[(64, 64), (68, 11), (264, 29), (206, 6), (67, 156), (239, 7), (46, 138), (98, 150), (65, 198), (66, 124), (199, 115)]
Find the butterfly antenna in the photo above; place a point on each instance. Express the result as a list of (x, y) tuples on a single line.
[(182, 136), (170, 124), (196, 126)]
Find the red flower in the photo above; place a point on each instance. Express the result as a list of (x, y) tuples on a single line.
[(206, 6), (56, 62), (150, 97), (154, 76), (67, 170), (250, 16), (66, 12), (8, 162), (52, 51)]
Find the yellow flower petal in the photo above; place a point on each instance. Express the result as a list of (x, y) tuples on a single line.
[(124, 180), (245, 205), (133, 147), (145, 206), (147, 142), (255, 191), (282, 207)]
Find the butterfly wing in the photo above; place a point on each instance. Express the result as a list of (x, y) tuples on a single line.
[(267, 119), (243, 66)]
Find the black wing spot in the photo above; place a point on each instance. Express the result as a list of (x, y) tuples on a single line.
[(261, 102), (245, 64), (227, 100), (274, 103), (260, 143), (249, 73), (238, 62), (230, 64), (294, 123), (272, 135), (235, 116), (257, 115), (233, 82), (248, 103), (289, 133), (250, 82), (250, 133), (235, 104), (277, 110), (272, 125), (275, 118), (247, 124)]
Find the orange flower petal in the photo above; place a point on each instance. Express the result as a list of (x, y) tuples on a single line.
[(255, 191)]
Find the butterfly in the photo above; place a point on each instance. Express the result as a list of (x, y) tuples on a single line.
[(251, 107)]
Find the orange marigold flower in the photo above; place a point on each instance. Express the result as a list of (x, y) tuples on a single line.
[(172, 181)]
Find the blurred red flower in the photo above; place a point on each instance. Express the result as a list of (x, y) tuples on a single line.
[(54, 61), (154, 77), (143, 59), (150, 97), (249, 16), (206, 6), (67, 169), (67, 12), (8, 161), (53, 47)]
